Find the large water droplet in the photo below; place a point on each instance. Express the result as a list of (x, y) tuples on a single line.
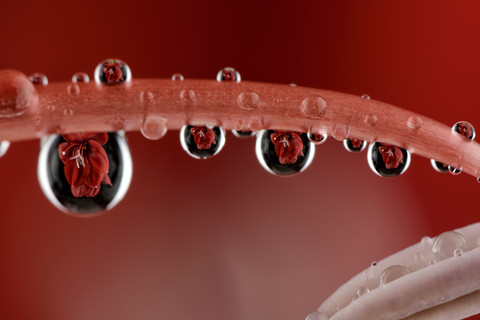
[(248, 100), (112, 72), (4, 145), (284, 153), (38, 78), (314, 106), (228, 74), (243, 134), (154, 127), (438, 166), (202, 142), (17, 94), (392, 273), (316, 316), (388, 160), (446, 243), (54, 184), (317, 138), (354, 145), (465, 129), (80, 77)]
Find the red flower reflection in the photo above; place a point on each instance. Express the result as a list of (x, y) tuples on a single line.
[(392, 156), (86, 162), (356, 144), (203, 137), (465, 130), (113, 71), (288, 146)]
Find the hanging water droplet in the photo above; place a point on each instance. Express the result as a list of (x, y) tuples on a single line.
[(80, 77), (362, 291), (243, 134), (317, 138), (177, 77), (340, 132), (387, 160), (4, 145), (365, 96), (53, 180), (202, 142), (438, 166), (17, 94), (414, 122), (370, 120), (316, 316), (154, 127), (392, 273), (38, 78), (478, 179), (228, 74), (248, 100), (465, 129), (354, 145), (314, 107), (284, 153), (445, 244), (112, 72), (454, 170)]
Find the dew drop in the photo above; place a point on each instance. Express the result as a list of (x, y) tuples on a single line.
[(38, 78), (80, 77), (373, 264), (154, 127), (438, 166), (454, 170), (4, 145), (362, 291), (354, 145), (478, 179), (296, 152), (392, 273), (457, 252), (426, 240), (177, 77), (313, 106), (465, 129), (387, 160), (414, 122), (317, 138), (146, 97), (73, 89), (248, 100), (432, 262), (243, 133), (51, 175), (17, 94), (292, 84), (446, 243), (365, 96), (340, 132), (370, 120), (112, 72), (316, 316), (202, 142), (256, 124), (68, 111), (228, 74), (188, 95)]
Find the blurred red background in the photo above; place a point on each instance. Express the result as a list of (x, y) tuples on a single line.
[(222, 239)]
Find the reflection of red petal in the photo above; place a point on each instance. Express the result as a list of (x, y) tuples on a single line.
[(203, 137), (288, 146), (392, 156)]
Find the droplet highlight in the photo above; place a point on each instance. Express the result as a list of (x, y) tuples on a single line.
[(314, 107), (112, 72), (73, 89), (248, 100), (438, 166), (38, 78), (228, 74), (154, 127), (4, 145), (365, 96), (454, 170), (354, 145), (202, 142), (388, 160), (414, 122), (392, 273)]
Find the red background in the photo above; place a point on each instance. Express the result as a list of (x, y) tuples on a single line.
[(222, 239)]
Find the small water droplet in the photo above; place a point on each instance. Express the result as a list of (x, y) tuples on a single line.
[(188, 95), (370, 120), (314, 106), (317, 138), (154, 127), (243, 133), (146, 97), (17, 94), (454, 170), (248, 100), (80, 77), (54, 184), (4, 145), (340, 132), (365, 96), (38, 78), (68, 111), (457, 252), (228, 74), (478, 179), (256, 124), (388, 160), (465, 129), (445, 244), (362, 291), (392, 273), (291, 153), (73, 89), (292, 84), (414, 122), (354, 145), (316, 316), (202, 142), (177, 77), (426, 240), (373, 264), (438, 166), (112, 72)]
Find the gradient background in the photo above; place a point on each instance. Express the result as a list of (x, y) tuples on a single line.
[(222, 239)]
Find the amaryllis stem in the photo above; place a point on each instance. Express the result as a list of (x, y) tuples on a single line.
[(65, 107)]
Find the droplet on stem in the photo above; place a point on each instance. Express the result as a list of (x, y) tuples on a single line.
[(154, 127), (228, 74), (388, 160), (112, 72), (202, 142), (354, 145)]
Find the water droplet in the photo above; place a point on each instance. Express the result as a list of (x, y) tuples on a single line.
[(54, 184), (188, 95), (362, 291), (38, 78), (177, 77), (317, 138), (314, 107), (438, 166), (255, 124), (248, 100), (202, 142), (478, 179), (414, 122), (17, 94), (112, 72), (73, 89), (228, 74), (445, 244), (388, 160), (4, 145), (80, 77), (373, 264), (465, 129), (457, 252), (370, 120), (340, 132), (154, 127), (243, 134), (68, 111), (146, 97), (426, 240), (454, 170), (316, 316), (365, 96), (354, 145), (292, 84), (392, 273), (295, 150)]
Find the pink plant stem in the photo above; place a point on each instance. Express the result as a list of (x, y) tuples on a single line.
[(65, 107)]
